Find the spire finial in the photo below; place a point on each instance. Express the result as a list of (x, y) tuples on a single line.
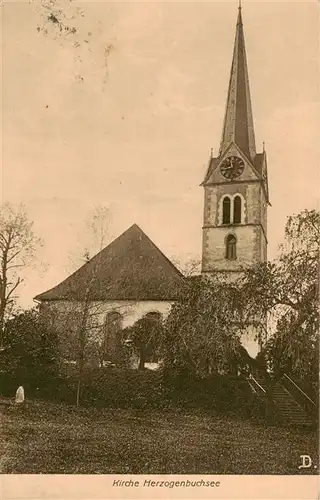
[(239, 14)]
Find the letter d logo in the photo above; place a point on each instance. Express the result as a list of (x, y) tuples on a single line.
[(306, 462)]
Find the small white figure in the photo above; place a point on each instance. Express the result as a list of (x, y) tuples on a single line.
[(20, 395)]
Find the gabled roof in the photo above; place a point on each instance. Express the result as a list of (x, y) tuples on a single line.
[(131, 268)]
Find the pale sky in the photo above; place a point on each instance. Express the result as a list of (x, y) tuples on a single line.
[(132, 127)]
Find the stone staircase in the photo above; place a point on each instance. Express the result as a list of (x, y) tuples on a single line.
[(287, 409), (290, 411)]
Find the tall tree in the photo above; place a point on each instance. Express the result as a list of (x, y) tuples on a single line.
[(202, 332), (86, 329), (287, 289), (98, 227), (18, 245)]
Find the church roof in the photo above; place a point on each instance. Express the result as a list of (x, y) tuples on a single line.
[(238, 121), (130, 268)]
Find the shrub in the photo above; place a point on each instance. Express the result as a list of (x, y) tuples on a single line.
[(30, 355), (119, 388)]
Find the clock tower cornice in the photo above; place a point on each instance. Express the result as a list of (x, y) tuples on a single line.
[(233, 149)]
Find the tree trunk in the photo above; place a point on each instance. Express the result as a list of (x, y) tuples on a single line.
[(78, 392), (80, 378), (142, 359), (82, 346), (3, 293)]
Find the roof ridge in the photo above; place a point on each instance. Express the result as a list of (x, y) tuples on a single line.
[(86, 264), (121, 263)]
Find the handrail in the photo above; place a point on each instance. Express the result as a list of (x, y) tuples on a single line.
[(251, 376), (306, 395), (252, 387)]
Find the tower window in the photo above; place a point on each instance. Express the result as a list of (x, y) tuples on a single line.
[(226, 210), (231, 247), (237, 210)]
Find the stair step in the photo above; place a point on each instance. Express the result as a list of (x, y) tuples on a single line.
[(289, 410)]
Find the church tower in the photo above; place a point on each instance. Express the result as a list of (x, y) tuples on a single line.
[(236, 184)]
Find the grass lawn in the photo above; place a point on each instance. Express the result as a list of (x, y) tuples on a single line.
[(56, 438)]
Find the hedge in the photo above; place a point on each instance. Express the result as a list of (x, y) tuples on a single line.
[(121, 388)]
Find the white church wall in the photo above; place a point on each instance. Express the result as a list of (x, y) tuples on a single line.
[(130, 311), (65, 316)]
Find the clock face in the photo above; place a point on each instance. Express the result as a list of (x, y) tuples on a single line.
[(232, 167)]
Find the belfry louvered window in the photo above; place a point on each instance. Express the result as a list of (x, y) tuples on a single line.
[(226, 210), (237, 210)]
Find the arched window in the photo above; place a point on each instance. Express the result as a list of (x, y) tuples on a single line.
[(112, 338), (226, 210), (231, 247), (237, 210), (113, 320)]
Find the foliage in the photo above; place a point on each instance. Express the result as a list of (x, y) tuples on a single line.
[(116, 387), (17, 249), (288, 290), (145, 335), (202, 333), (30, 357)]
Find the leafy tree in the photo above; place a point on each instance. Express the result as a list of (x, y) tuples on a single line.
[(202, 333), (287, 290), (145, 335), (17, 249), (31, 356)]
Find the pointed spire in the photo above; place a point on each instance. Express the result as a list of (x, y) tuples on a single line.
[(238, 121), (239, 22)]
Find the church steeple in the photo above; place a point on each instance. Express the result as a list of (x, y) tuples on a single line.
[(234, 230), (238, 121)]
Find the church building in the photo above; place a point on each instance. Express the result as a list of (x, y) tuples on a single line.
[(131, 277)]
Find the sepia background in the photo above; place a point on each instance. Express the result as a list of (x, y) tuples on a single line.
[(123, 113)]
